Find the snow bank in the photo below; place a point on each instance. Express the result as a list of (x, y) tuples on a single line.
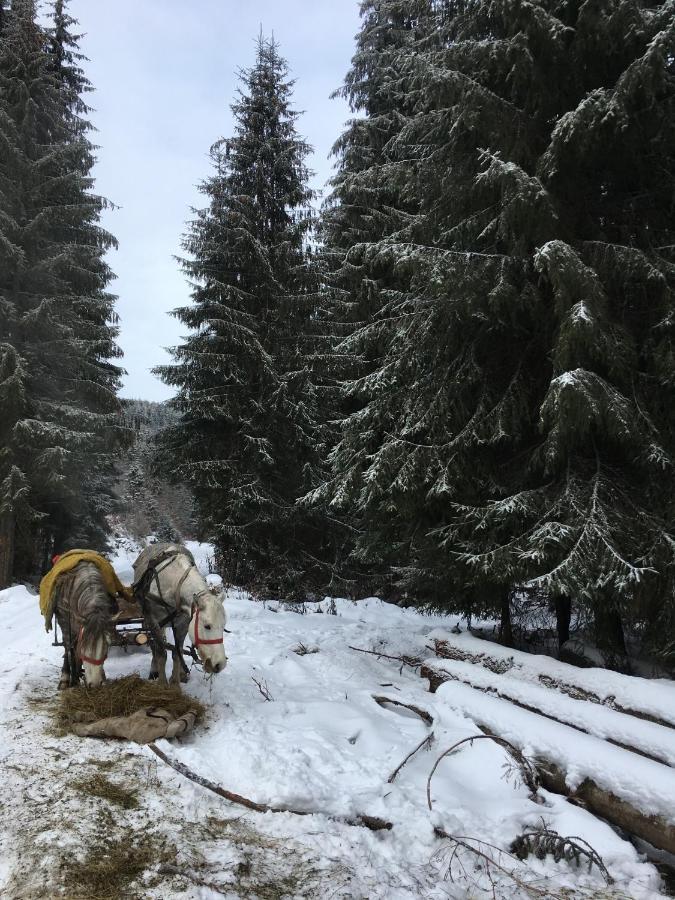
[(321, 744), (644, 784)]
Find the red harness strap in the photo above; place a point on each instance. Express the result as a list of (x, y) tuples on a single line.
[(198, 641), (88, 659)]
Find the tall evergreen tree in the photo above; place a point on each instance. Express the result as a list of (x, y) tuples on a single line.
[(524, 386), (246, 443), (61, 430), (369, 203)]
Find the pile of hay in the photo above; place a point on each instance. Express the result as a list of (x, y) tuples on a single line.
[(122, 697)]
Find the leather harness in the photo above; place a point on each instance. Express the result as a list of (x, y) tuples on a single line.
[(141, 590)]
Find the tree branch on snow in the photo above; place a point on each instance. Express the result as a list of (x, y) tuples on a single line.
[(545, 841), (374, 823), (422, 713), (489, 861), (426, 742), (262, 687), (527, 770), (413, 661)]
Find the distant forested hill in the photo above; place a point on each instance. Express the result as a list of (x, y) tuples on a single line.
[(149, 504)]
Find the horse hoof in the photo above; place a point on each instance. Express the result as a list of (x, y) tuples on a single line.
[(185, 677), (153, 676)]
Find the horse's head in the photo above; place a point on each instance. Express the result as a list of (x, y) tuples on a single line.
[(93, 652), (206, 629)]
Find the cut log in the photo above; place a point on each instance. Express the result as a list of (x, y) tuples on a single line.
[(522, 665), (630, 794), (654, 829), (446, 650), (657, 745)]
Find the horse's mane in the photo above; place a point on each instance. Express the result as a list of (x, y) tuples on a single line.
[(93, 601)]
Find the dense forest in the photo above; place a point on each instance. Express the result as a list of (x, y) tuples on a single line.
[(60, 426), (451, 382)]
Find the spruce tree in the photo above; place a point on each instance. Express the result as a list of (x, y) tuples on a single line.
[(246, 443), (62, 429), (522, 392), (370, 202)]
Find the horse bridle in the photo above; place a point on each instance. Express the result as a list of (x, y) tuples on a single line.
[(197, 641), (88, 659)]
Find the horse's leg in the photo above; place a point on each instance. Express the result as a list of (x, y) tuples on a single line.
[(178, 673), (64, 681), (158, 663), (154, 671), (75, 667)]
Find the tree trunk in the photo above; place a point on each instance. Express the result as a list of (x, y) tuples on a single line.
[(609, 635), (505, 628), (438, 677), (655, 829), (445, 649), (6, 549), (563, 616)]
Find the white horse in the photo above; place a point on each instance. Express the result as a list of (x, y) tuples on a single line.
[(172, 593)]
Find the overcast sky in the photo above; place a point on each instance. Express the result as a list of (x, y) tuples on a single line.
[(165, 73)]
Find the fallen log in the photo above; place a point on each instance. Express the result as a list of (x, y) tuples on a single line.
[(446, 650), (437, 677), (653, 829), (372, 822)]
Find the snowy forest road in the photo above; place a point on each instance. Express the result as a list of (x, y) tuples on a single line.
[(83, 818)]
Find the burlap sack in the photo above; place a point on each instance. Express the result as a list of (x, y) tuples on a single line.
[(143, 726)]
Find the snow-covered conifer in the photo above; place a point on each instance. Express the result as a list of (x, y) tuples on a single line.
[(516, 428), (55, 314), (369, 203), (246, 443)]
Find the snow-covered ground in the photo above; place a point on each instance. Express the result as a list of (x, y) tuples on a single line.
[(321, 744)]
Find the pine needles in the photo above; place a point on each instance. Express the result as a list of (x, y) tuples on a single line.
[(544, 842)]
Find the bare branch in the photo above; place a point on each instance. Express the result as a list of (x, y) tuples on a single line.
[(428, 741), (413, 661), (422, 713), (527, 770), (262, 687), (372, 822)]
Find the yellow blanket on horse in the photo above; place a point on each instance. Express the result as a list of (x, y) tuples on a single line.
[(66, 563)]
